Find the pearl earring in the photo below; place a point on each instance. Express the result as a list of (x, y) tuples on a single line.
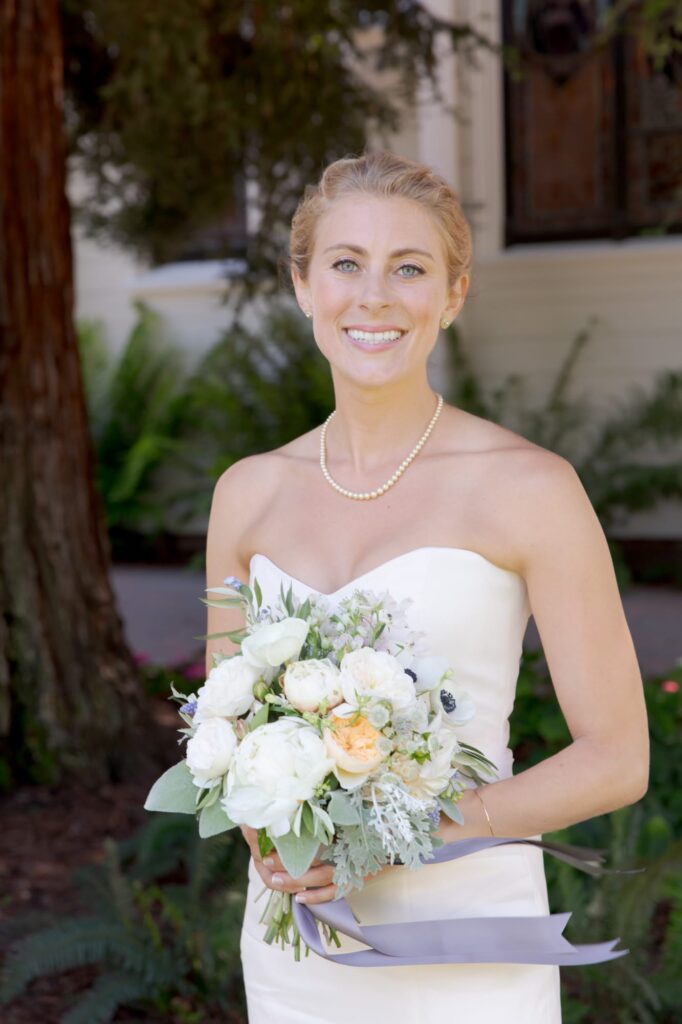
[(308, 313), (444, 323)]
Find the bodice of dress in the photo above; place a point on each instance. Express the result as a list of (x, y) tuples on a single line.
[(469, 609)]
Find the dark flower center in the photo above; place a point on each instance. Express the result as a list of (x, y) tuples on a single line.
[(448, 701)]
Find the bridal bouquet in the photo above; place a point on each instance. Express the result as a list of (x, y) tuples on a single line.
[(332, 732)]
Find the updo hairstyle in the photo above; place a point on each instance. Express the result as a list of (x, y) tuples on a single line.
[(383, 174)]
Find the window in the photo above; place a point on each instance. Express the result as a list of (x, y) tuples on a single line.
[(593, 137)]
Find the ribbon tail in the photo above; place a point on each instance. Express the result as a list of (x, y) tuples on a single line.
[(535, 939)]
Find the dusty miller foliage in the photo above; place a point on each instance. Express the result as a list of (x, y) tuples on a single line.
[(402, 828)]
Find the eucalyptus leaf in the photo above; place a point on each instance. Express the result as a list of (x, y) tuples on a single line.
[(210, 796), (213, 820), (296, 853), (174, 791), (341, 809), (451, 809)]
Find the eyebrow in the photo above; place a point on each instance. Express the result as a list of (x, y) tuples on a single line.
[(363, 252)]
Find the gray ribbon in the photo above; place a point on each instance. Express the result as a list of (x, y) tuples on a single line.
[(463, 940)]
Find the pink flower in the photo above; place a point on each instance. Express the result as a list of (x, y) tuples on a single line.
[(140, 658), (196, 670), (670, 686)]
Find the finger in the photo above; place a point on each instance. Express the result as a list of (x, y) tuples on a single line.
[(321, 895), (315, 877)]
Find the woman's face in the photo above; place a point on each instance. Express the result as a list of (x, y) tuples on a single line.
[(377, 288)]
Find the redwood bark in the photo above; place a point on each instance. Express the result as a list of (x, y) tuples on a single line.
[(70, 697)]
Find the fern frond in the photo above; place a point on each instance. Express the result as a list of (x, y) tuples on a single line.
[(108, 992)]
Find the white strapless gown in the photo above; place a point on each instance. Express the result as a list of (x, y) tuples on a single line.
[(475, 613)]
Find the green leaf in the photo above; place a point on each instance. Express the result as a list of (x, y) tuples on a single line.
[(265, 843), (229, 591), (341, 809), (209, 796), (297, 853), (213, 820), (308, 819), (258, 592), (174, 791), (451, 809), (225, 602), (260, 718)]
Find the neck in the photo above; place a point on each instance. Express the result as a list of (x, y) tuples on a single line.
[(376, 428)]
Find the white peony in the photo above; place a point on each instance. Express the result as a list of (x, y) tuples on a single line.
[(375, 674), (276, 768), (228, 691), (210, 751), (275, 643), (307, 683)]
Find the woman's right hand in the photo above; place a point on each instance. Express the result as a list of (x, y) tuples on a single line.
[(318, 874)]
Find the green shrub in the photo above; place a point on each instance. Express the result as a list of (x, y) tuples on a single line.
[(135, 404), (645, 909), (163, 925), (252, 392)]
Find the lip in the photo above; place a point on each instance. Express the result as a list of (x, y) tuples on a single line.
[(374, 328), (368, 347)]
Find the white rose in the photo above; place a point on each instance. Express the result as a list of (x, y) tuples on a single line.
[(210, 751), (307, 683), (455, 705), (276, 768), (275, 643), (228, 691), (376, 674)]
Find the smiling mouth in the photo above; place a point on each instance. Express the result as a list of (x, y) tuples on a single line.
[(373, 338)]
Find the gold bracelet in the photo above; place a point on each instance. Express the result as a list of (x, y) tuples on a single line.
[(485, 809)]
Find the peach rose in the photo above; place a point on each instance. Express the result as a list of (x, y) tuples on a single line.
[(355, 747)]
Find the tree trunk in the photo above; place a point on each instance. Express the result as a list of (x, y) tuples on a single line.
[(71, 702)]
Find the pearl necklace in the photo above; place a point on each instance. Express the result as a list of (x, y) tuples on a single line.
[(368, 495)]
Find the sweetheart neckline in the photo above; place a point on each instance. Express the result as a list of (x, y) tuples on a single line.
[(382, 565)]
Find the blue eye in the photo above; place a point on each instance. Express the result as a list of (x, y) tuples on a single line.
[(338, 263)]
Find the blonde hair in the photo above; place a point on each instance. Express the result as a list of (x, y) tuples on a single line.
[(383, 174)]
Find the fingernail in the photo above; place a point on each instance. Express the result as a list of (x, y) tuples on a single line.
[(278, 879), (300, 897), (269, 862)]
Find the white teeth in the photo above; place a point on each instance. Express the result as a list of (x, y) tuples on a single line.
[(374, 337)]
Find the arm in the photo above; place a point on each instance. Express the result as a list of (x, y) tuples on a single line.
[(565, 560), (228, 521), (234, 509)]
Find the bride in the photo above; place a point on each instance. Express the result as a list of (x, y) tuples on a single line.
[(479, 528)]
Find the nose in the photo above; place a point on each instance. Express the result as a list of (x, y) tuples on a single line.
[(376, 292)]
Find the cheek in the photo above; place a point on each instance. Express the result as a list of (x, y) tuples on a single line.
[(333, 294)]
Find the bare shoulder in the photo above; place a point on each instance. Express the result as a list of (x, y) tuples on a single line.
[(239, 492), (544, 512), (531, 499)]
